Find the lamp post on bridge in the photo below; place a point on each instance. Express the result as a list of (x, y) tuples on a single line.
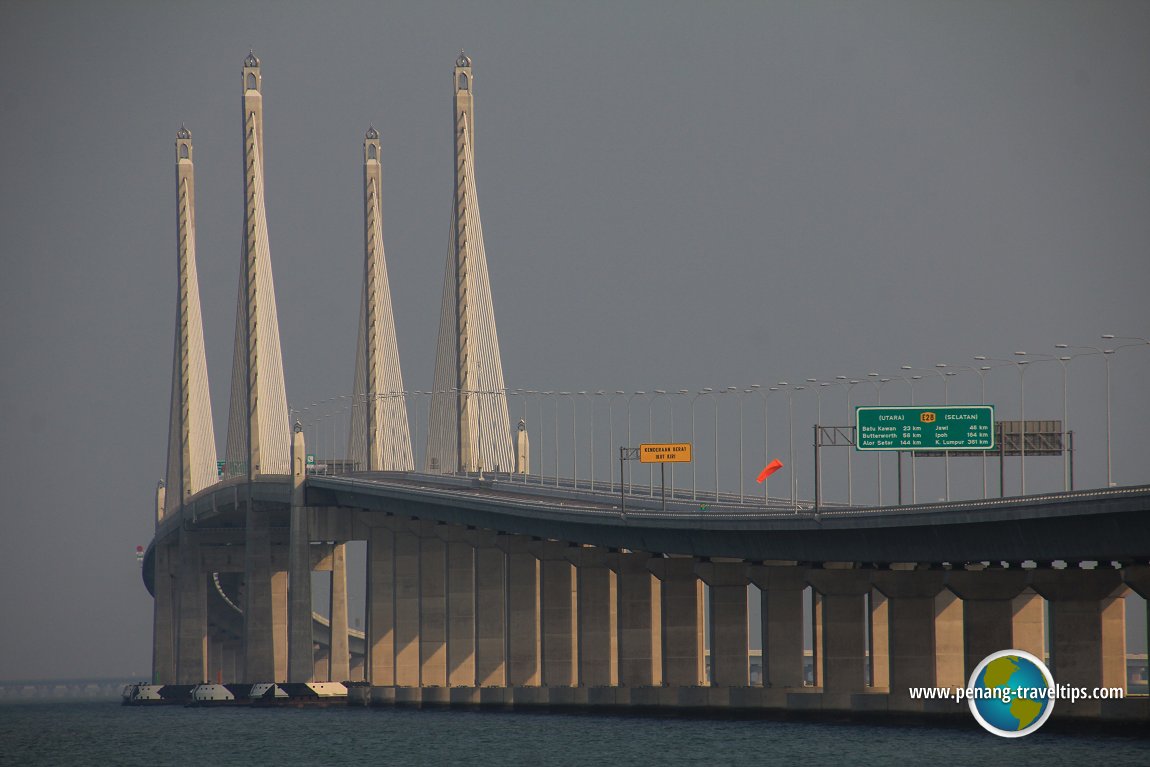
[(591, 412), (611, 436), (574, 443), (850, 383), (878, 382), (818, 422), (728, 390), (791, 436), (910, 382), (651, 436), (1106, 354), (702, 392), (758, 389), (1065, 361), (630, 397)]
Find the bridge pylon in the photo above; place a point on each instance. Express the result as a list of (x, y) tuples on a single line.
[(379, 439), (468, 425), (259, 439), (191, 438)]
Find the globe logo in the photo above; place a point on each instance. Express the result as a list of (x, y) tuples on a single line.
[(1011, 693)]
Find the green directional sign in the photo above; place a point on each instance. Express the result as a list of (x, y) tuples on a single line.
[(949, 427), (310, 460)]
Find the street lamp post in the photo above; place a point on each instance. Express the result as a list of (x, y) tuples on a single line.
[(850, 384), (728, 390), (611, 437), (630, 486), (818, 423), (651, 436), (878, 382), (1106, 354), (704, 391), (791, 437), (591, 454)]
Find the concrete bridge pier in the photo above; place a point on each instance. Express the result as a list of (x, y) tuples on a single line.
[(640, 643), (598, 617), (301, 661), (841, 631), (432, 607), (998, 612), (782, 620), (730, 655), (917, 634), (1137, 577), (163, 617), (559, 644), (683, 617), (461, 605), (339, 666), (1087, 628), (192, 612), (265, 603), (380, 650), (524, 668), (491, 612)]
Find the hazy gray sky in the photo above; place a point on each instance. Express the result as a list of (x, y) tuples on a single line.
[(674, 195)]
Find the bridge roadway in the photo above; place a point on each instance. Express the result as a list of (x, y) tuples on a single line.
[(1100, 525), (1090, 525)]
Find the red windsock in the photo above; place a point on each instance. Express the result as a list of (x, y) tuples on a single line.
[(770, 469)]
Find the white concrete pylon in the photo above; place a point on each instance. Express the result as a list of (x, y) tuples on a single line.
[(379, 439), (468, 427), (191, 438), (259, 437)]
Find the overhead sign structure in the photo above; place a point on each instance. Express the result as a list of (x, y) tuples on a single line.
[(666, 452), (949, 427)]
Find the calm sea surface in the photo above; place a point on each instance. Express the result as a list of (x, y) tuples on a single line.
[(106, 733)]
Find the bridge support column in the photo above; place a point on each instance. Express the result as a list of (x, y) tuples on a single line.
[(163, 617), (380, 650), (1087, 628), (730, 653), (879, 640), (1137, 577), (782, 621), (339, 666), (523, 633), (491, 613), (560, 615), (460, 606), (192, 614), (992, 600), (301, 655), (407, 607), (917, 631), (433, 609), (842, 632), (683, 617), (597, 616), (640, 622), (265, 604)]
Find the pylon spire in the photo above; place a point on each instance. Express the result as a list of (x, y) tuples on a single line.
[(469, 428), (379, 439), (259, 439), (191, 439)]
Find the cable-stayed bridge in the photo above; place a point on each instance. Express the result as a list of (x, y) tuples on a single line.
[(488, 582)]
